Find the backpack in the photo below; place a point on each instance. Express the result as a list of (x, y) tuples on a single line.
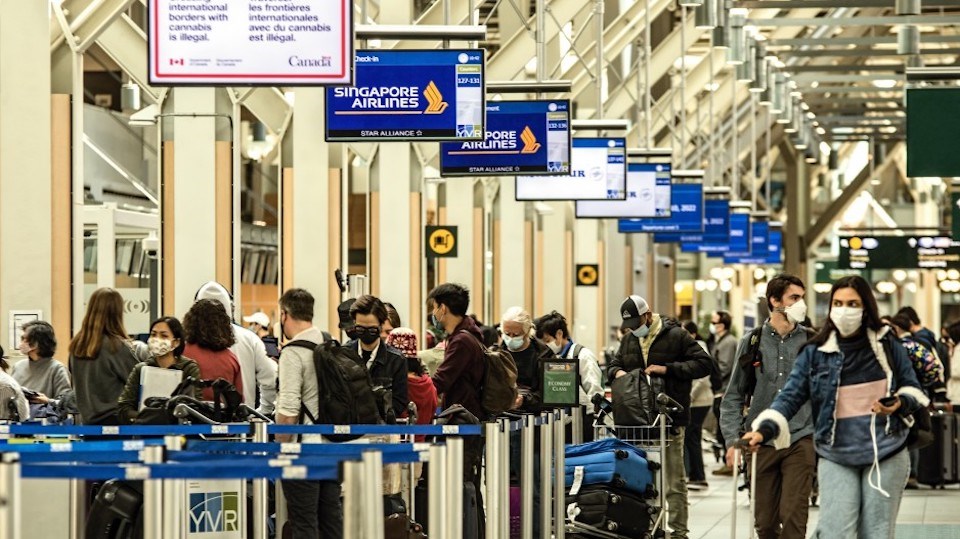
[(345, 394), (928, 369), (750, 361), (920, 434), (499, 390)]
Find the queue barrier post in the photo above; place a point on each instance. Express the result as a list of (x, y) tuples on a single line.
[(504, 479), (77, 505), (352, 500), (10, 496), (437, 485), (559, 494), (576, 421), (492, 462), (373, 494), (260, 488), (546, 462), (174, 494), (454, 498), (153, 496), (526, 476)]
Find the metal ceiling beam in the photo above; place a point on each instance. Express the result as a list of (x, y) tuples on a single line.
[(843, 68), (936, 20), (824, 223), (859, 41), (853, 110), (851, 77), (830, 4), (872, 52), (817, 100), (515, 51), (849, 90), (832, 118)]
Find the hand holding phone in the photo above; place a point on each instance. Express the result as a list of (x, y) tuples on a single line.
[(889, 401)]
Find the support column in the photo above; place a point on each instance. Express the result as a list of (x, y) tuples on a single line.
[(310, 223), (459, 213), (552, 280), (586, 299), (798, 212), (613, 274), (25, 155), (513, 256), (196, 198)]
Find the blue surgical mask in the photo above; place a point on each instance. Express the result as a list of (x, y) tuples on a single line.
[(513, 343), (641, 331)]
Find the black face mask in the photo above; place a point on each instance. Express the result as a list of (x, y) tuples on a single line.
[(367, 335)]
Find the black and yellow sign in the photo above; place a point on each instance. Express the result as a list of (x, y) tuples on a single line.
[(588, 274), (441, 242)]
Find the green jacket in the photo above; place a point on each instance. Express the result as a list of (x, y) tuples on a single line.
[(128, 404)]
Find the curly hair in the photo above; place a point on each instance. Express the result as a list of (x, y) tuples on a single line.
[(208, 326)]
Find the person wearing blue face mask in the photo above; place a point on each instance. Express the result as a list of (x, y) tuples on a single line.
[(672, 359), (529, 353)]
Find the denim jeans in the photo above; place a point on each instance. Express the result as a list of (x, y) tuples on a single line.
[(851, 509)]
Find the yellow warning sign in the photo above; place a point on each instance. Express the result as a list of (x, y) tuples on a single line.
[(441, 241), (588, 275)]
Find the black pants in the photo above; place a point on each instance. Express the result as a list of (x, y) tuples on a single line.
[(716, 413), (692, 448), (314, 509)]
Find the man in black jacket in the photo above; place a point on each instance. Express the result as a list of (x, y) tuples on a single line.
[(669, 355), (387, 367)]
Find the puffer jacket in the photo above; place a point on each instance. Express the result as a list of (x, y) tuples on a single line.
[(673, 348)]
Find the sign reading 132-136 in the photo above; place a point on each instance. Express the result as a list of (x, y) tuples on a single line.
[(521, 138), (410, 94)]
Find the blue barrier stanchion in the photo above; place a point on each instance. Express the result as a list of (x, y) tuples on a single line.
[(124, 430), (526, 476), (493, 461), (454, 499), (546, 464), (10, 498), (559, 492), (260, 488), (504, 471), (426, 430), (352, 500), (68, 447), (437, 486), (153, 497), (373, 479), (174, 493)]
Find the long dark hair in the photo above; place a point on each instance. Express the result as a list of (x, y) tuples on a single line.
[(871, 314)]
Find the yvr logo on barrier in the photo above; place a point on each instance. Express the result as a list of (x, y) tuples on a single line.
[(212, 512)]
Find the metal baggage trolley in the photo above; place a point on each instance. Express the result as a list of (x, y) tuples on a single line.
[(653, 440)]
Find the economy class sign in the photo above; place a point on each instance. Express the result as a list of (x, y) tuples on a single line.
[(253, 42), (521, 137), (410, 95)]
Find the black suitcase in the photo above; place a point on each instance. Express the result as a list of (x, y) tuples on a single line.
[(938, 461), (471, 510), (116, 512), (613, 510)]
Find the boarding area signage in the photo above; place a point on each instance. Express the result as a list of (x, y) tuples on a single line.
[(898, 252), (410, 95), (739, 240), (227, 42), (598, 171), (521, 137), (716, 229), (648, 195), (686, 212)]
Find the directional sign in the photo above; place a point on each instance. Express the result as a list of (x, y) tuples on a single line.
[(441, 241), (686, 212), (598, 171), (739, 238), (898, 252), (410, 94), (588, 275), (716, 229), (521, 137), (758, 253)]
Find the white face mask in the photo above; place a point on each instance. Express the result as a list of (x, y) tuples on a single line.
[(159, 347), (847, 319), (641, 331), (713, 329), (796, 312), (554, 347), (513, 343)]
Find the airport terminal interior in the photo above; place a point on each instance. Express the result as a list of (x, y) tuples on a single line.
[(238, 234)]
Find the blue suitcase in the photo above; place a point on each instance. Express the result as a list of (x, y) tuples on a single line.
[(610, 462)]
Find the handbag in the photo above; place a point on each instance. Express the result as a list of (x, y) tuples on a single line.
[(399, 526), (633, 400)]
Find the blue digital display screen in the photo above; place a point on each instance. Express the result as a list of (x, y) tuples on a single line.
[(739, 237), (775, 247), (647, 195), (759, 232), (716, 228), (686, 213), (521, 138), (410, 95), (598, 171)]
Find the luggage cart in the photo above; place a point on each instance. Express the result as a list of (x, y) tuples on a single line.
[(653, 440)]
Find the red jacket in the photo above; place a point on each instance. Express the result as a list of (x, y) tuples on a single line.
[(424, 395), (213, 365)]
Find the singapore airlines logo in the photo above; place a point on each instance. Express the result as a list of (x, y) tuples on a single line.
[(530, 144), (435, 102)]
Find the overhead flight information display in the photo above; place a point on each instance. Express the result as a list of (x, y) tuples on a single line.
[(648, 195), (410, 95), (898, 252), (739, 241), (598, 171), (758, 252), (686, 212), (716, 228), (521, 138), (230, 42)]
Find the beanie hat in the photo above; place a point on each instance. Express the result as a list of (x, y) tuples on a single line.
[(404, 340), (215, 291)]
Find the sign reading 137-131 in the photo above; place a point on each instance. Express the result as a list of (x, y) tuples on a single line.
[(410, 95)]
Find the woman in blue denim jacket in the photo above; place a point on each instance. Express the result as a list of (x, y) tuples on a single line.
[(861, 386)]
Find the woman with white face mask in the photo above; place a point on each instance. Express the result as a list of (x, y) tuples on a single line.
[(166, 345), (861, 386)]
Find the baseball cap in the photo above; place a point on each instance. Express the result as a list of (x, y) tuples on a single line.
[(258, 318), (631, 310), (343, 312)]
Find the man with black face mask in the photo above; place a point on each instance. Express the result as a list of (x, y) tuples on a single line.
[(387, 366)]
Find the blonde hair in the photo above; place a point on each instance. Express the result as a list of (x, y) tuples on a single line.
[(102, 321), (521, 316)]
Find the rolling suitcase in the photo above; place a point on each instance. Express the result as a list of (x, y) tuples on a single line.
[(613, 510), (938, 461), (610, 462), (471, 510), (116, 512)]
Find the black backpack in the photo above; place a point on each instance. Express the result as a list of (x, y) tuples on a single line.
[(345, 394)]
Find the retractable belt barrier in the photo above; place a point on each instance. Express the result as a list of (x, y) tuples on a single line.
[(162, 456)]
